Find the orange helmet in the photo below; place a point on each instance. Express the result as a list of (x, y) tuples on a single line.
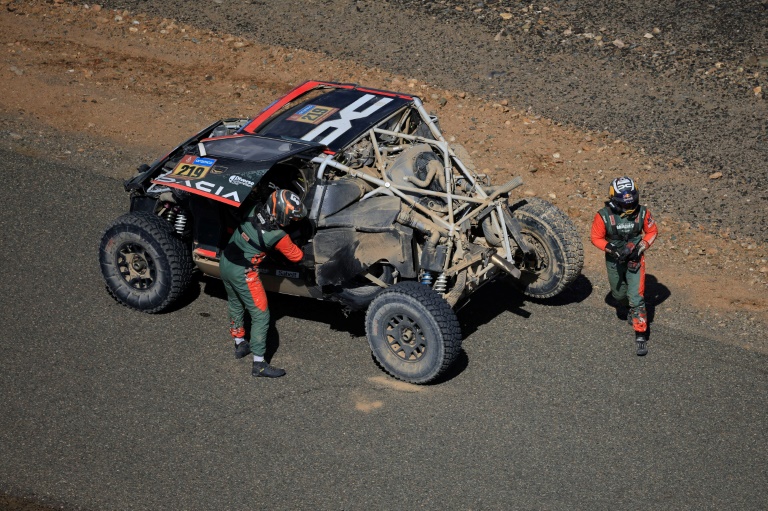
[(285, 206)]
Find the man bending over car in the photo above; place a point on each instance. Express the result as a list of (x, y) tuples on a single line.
[(260, 232)]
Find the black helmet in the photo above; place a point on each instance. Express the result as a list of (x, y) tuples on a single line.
[(284, 206), (623, 196)]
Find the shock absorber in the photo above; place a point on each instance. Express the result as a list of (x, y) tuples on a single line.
[(170, 212), (441, 284), (426, 278), (181, 222)]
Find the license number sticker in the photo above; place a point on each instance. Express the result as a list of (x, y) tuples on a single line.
[(193, 167), (313, 114)]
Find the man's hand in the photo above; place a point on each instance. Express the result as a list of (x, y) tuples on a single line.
[(620, 254), (637, 251)]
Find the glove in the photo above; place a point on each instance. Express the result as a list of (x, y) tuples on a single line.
[(637, 251), (620, 254)]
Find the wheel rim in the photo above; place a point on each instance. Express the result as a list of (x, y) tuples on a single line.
[(136, 266), (539, 263), (405, 338)]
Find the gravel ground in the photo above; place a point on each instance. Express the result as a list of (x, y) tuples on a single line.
[(685, 83)]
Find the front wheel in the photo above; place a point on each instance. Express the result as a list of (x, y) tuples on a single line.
[(413, 333), (145, 266), (558, 254)]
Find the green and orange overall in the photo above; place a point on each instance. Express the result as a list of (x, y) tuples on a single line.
[(239, 266), (627, 286)]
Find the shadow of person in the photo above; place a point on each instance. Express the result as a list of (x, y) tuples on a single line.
[(273, 340), (655, 294)]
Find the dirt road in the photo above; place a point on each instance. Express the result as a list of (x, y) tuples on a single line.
[(568, 95)]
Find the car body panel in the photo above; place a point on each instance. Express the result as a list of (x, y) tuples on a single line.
[(335, 118), (232, 166)]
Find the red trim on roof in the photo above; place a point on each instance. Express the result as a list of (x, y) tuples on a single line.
[(305, 87)]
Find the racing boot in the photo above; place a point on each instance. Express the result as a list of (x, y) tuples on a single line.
[(267, 371), (242, 349), (642, 344)]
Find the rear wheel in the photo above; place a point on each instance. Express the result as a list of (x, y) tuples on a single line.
[(359, 293), (558, 254), (145, 266), (413, 333)]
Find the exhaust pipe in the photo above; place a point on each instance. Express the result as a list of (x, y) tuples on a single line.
[(505, 265)]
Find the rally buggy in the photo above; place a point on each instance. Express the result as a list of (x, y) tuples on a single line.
[(399, 223)]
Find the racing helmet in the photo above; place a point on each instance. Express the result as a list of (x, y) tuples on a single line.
[(623, 196), (285, 206)]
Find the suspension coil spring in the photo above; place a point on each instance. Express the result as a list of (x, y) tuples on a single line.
[(426, 278), (441, 284), (170, 212), (181, 222)]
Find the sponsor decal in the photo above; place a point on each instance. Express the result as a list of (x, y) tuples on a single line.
[(624, 184), (193, 167), (218, 169), (313, 114), (651, 221), (344, 122), (237, 180), (288, 274), (203, 186), (205, 162)]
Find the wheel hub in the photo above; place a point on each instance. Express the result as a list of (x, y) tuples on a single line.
[(136, 266), (405, 338)]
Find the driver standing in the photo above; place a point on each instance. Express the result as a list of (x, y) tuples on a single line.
[(625, 230), (261, 232)]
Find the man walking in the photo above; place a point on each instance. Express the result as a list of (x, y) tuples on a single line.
[(625, 230)]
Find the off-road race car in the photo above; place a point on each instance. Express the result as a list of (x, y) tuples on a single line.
[(400, 223)]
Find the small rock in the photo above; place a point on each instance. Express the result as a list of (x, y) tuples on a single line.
[(506, 16), (96, 8), (15, 136), (657, 31), (133, 30), (618, 43), (716, 175), (552, 196), (16, 70), (529, 193), (556, 156), (648, 35)]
